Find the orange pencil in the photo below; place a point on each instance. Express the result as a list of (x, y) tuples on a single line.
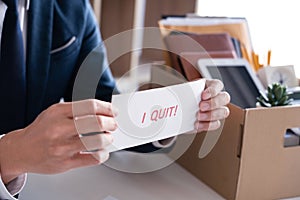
[(255, 61), (269, 57)]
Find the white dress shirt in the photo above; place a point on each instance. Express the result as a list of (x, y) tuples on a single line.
[(14, 187)]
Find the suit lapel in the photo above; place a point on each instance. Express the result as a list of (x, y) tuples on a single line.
[(39, 39)]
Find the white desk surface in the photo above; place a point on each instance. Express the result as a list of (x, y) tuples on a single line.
[(104, 183)]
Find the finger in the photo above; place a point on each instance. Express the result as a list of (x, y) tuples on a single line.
[(89, 159), (76, 144), (207, 126), (93, 142), (213, 115), (94, 123), (222, 99), (92, 107), (101, 155), (61, 130), (213, 88), (86, 107)]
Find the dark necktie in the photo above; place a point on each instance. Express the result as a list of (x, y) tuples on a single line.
[(12, 72)]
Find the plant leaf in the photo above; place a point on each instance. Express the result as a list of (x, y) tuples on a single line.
[(278, 92)]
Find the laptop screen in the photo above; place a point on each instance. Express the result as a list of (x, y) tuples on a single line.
[(238, 83)]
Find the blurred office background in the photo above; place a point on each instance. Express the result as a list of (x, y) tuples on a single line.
[(272, 25)]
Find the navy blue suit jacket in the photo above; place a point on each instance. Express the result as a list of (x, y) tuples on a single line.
[(54, 57), (51, 69)]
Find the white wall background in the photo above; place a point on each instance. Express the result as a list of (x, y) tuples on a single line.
[(273, 25)]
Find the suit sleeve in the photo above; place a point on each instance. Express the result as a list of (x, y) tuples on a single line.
[(93, 48), (93, 57)]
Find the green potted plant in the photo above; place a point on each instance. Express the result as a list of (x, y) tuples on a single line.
[(276, 95)]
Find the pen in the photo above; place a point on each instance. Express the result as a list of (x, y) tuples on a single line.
[(255, 61), (269, 57)]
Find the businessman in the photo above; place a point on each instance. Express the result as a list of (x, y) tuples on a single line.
[(43, 43)]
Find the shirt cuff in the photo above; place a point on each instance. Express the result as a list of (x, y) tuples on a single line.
[(166, 143), (12, 188)]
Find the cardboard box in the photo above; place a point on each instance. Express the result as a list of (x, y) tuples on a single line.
[(250, 161)]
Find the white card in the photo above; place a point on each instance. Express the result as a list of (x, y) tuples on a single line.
[(155, 114)]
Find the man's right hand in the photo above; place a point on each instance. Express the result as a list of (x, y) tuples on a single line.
[(55, 141)]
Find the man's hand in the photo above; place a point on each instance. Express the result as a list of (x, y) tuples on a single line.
[(56, 142), (212, 107)]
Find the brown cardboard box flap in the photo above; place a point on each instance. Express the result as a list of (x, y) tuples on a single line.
[(250, 161), (220, 168), (265, 164)]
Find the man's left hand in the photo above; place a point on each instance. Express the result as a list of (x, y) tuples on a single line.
[(212, 107)]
